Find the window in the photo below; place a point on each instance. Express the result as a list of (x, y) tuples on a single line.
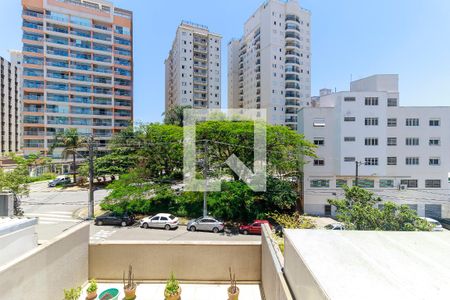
[(435, 122), (319, 162), (349, 119), (434, 141), (365, 183), (412, 122), (432, 183), (320, 183), (349, 159), (371, 121), (371, 101), (412, 141), (163, 219), (349, 99), (434, 161), (327, 210), (392, 141), (410, 183), (392, 161), (371, 161), (391, 122), (349, 139), (319, 122), (319, 141), (371, 141), (386, 183), (392, 102), (412, 161), (341, 182)]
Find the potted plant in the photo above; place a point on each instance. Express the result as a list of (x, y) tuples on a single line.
[(233, 290), (173, 289), (129, 286), (72, 294), (92, 290)]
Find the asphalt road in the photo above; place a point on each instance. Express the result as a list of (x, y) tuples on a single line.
[(101, 233), (56, 207)]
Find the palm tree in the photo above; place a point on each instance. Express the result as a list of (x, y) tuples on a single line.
[(70, 141)]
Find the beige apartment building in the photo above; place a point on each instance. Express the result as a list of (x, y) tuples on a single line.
[(10, 104), (77, 70), (270, 66), (193, 68)]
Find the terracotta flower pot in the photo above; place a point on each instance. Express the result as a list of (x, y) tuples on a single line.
[(232, 296), (130, 294), (91, 295), (173, 297)]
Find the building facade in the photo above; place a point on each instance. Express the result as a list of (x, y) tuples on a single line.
[(77, 70), (193, 68), (400, 152), (270, 66), (10, 106)]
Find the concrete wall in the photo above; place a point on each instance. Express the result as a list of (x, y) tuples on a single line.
[(300, 279), (17, 243), (45, 271), (273, 282), (190, 261)]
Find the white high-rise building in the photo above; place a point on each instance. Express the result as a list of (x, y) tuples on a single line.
[(270, 66), (401, 152), (193, 68), (10, 105)]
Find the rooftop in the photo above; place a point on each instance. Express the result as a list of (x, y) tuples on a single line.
[(372, 265)]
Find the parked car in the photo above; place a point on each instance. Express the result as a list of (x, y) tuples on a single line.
[(166, 221), (114, 219), (445, 223), (254, 228), (205, 224), (335, 226), (436, 224), (59, 181)]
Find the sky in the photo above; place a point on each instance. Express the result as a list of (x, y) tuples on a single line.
[(350, 39)]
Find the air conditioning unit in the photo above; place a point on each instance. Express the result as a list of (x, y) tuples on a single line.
[(402, 187)]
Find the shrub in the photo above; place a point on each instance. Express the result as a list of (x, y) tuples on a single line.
[(72, 294), (43, 177), (292, 221)]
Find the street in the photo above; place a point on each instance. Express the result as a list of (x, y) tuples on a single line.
[(57, 208)]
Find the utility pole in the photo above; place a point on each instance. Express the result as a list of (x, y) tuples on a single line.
[(91, 177), (205, 175), (357, 164)]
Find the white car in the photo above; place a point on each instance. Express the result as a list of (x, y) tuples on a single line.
[(436, 224), (335, 226), (166, 221)]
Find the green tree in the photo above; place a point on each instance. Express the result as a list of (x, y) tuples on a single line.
[(16, 182), (358, 212), (71, 141), (175, 115)]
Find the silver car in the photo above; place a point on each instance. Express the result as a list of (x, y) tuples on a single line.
[(166, 221), (205, 224)]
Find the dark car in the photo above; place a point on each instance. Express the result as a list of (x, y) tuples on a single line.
[(254, 228), (114, 219), (445, 223)]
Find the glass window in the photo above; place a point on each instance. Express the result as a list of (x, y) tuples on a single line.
[(155, 219), (340, 183), (319, 122), (80, 21), (163, 219), (412, 160), (434, 161), (349, 139), (435, 141), (432, 183), (349, 159), (392, 102), (392, 161), (349, 119), (386, 183), (412, 122), (392, 141), (412, 141), (371, 161), (319, 162), (365, 183), (349, 99), (320, 183), (57, 16), (435, 122), (371, 141), (391, 122), (122, 30), (371, 121), (319, 141), (371, 101)]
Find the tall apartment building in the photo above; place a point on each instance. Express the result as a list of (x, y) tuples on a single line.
[(269, 67), (193, 68), (10, 106), (77, 70), (401, 152)]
